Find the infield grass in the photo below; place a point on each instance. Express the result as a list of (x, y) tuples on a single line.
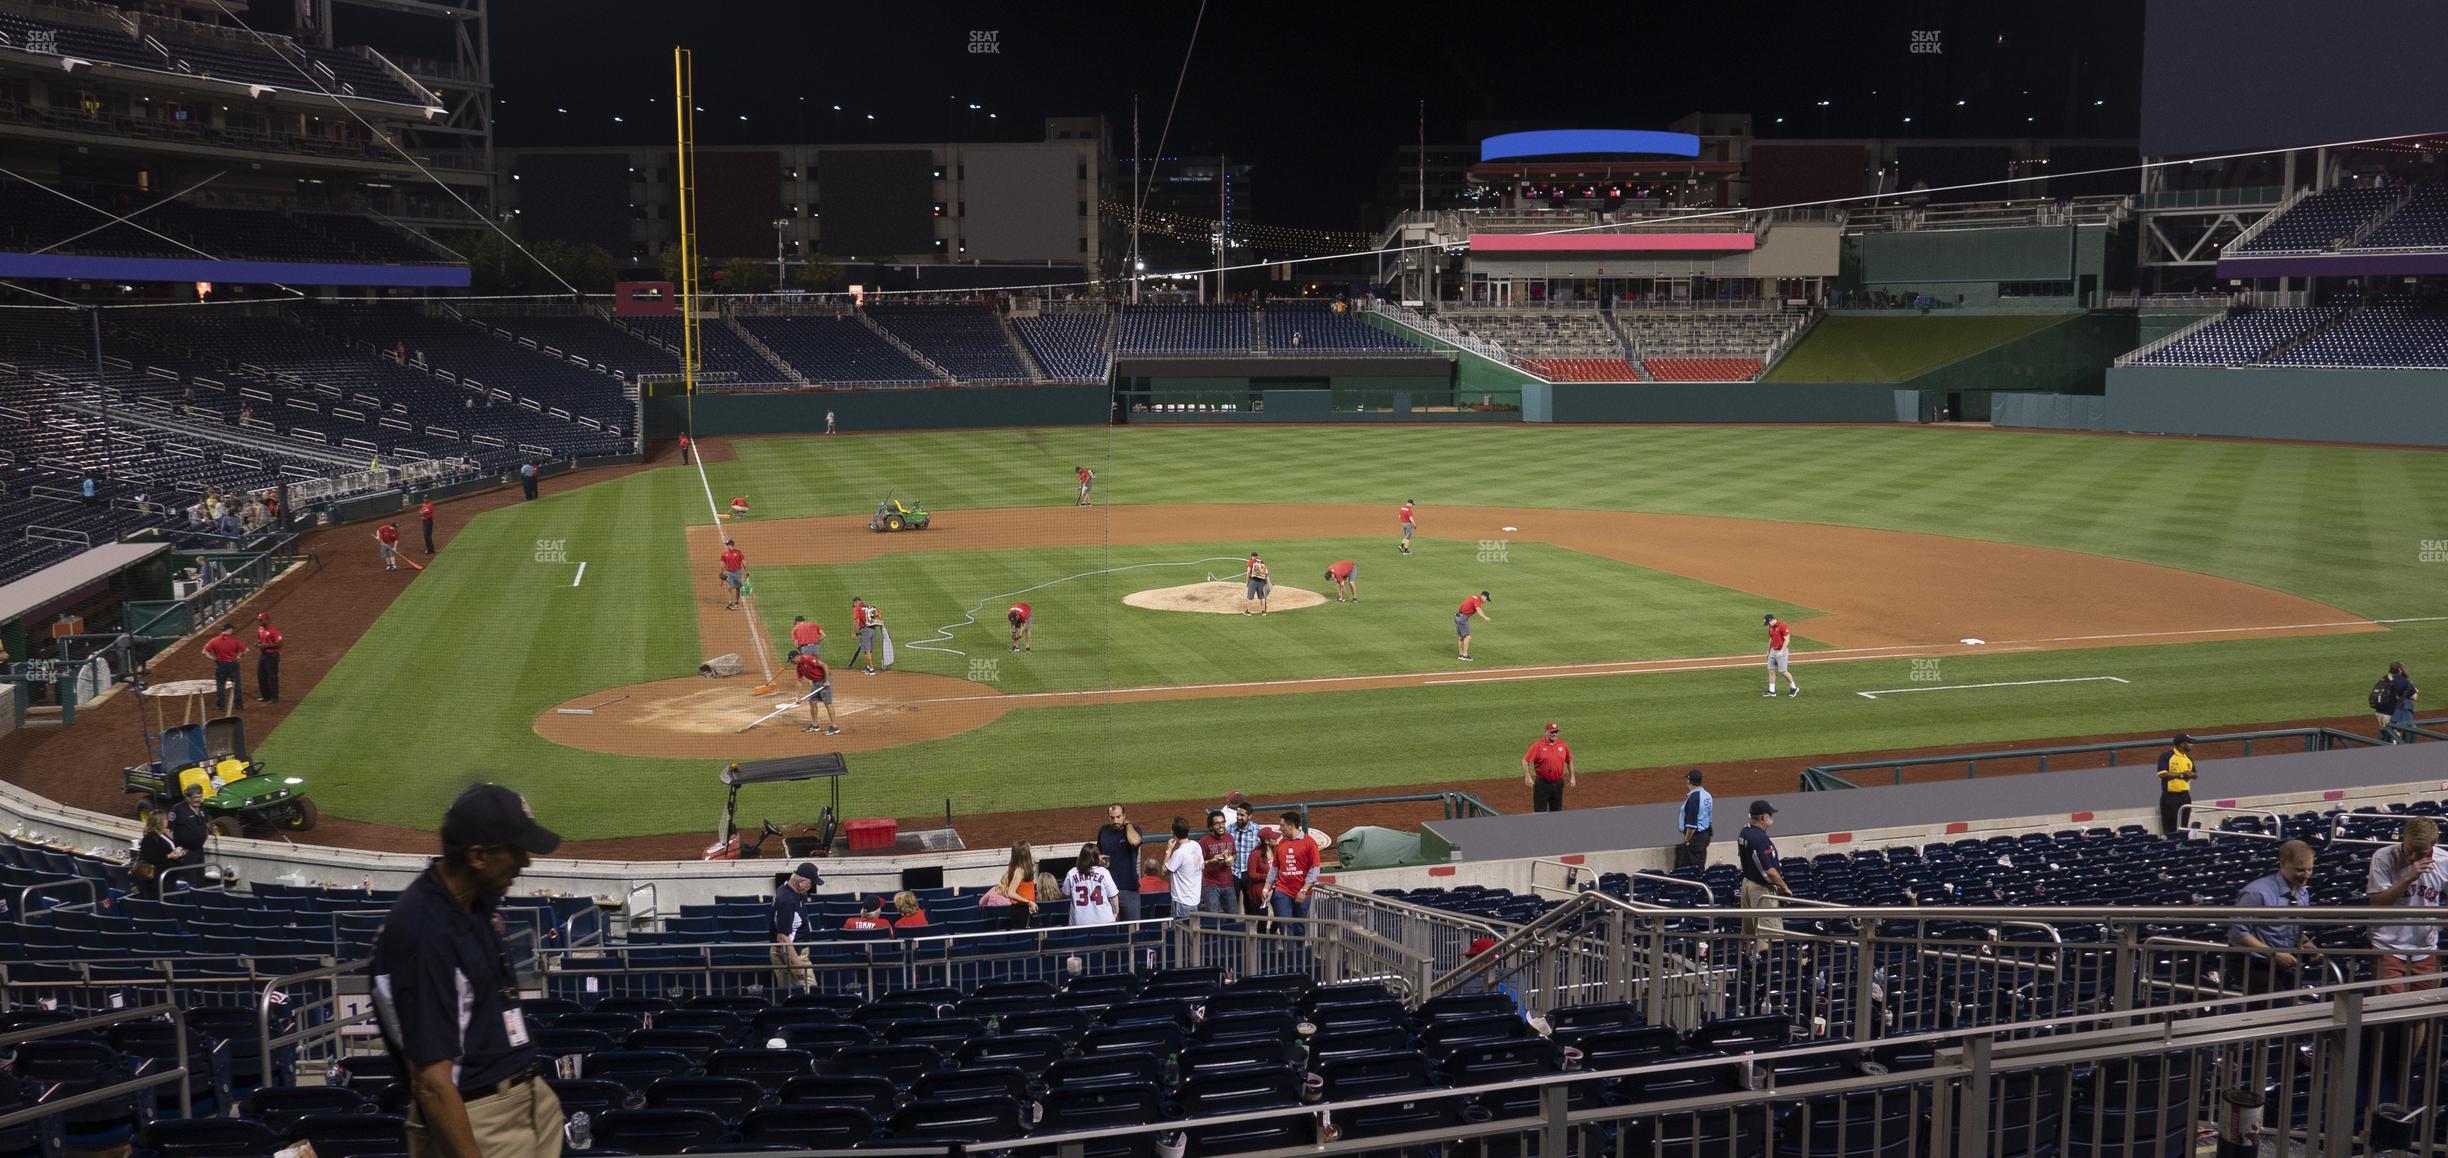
[(444, 687)]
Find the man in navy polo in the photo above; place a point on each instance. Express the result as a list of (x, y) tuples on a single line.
[(788, 918), (447, 996)]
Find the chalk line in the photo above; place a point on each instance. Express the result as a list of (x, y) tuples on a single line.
[(2006, 684), (581, 573)]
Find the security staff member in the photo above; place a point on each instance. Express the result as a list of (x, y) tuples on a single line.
[(788, 919), (447, 998), (2175, 781), (267, 659), (189, 827)]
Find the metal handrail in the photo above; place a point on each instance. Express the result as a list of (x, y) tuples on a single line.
[(92, 895), (2277, 829), (2219, 1022), (176, 1073), (202, 869), (331, 1026)]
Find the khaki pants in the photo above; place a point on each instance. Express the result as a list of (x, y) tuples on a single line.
[(1756, 929), (523, 1121), (790, 972)]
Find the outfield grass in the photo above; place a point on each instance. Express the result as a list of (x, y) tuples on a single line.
[(1852, 348), (448, 680), (1556, 606)]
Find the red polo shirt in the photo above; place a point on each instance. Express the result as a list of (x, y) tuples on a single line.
[(425, 512), (224, 648), (803, 634), (1341, 571), (1085, 474), (268, 637), (1021, 610), (732, 558), (388, 534), (1777, 635), (1471, 606), (1548, 757), (1405, 514), (811, 669)]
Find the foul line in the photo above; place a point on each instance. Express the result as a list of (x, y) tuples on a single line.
[(581, 573), (1967, 687), (748, 607), (943, 634)]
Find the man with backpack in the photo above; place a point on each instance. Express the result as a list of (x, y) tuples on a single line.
[(2392, 704)]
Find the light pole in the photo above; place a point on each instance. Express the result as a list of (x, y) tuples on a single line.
[(780, 268)]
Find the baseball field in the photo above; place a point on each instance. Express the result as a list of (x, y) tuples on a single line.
[(1945, 586)]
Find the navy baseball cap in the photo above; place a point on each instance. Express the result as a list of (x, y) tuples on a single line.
[(1762, 808), (489, 814), (807, 871), (1765, 620)]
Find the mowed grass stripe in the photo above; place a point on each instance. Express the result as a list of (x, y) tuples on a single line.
[(446, 684), (1555, 606), (1309, 747)]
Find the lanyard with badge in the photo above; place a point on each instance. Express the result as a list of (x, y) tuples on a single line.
[(514, 1022)]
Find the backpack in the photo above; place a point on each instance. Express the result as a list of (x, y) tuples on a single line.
[(2384, 695)]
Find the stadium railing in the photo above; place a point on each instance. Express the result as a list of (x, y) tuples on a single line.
[(1329, 950), (142, 1082), (2095, 1089), (231, 578), (1440, 935), (1882, 971), (1822, 777)]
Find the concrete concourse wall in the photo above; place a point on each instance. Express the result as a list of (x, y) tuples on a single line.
[(2391, 407)]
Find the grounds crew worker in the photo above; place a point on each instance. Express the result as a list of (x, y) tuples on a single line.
[(2175, 781), (268, 642), (447, 997)]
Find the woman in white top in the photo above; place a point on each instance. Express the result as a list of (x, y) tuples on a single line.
[(1185, 869), (1091, 890)]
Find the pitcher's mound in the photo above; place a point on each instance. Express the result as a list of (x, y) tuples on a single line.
[(1220, 598)]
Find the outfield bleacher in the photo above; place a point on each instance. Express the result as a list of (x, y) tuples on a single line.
[(1185, 329), (1070, 347), (1306, 326), (966, 340), (836, 350), (1582, 369), (2319, 222), (1578, 335)]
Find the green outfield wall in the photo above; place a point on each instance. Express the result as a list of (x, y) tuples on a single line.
[(931, 408)]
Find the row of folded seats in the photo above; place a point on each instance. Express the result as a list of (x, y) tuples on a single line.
[(1068, 347)]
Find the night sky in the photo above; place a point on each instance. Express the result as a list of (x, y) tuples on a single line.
[(1320, 104)]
